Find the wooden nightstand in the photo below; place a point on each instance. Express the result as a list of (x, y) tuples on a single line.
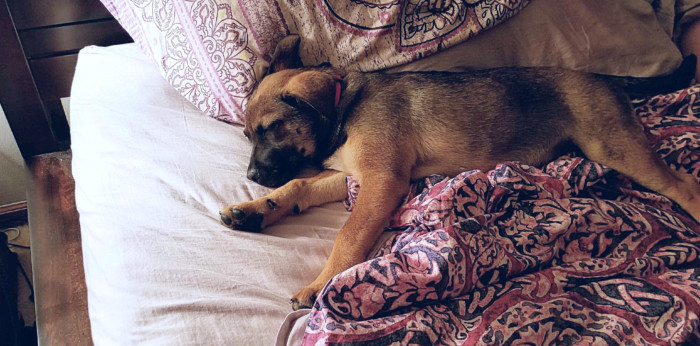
[(44, 39)]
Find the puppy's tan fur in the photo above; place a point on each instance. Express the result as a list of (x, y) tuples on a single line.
[(396, 127)]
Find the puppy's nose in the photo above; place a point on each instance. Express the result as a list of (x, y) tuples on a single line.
[(253, 174)]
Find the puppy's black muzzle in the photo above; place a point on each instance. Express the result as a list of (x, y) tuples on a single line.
[(273, 167), (269, 177)]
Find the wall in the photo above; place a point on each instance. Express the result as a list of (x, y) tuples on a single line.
[(12, 167)]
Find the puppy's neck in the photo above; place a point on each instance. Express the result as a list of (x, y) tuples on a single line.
[(351, 84)]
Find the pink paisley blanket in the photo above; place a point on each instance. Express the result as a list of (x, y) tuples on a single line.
[(571, 252)]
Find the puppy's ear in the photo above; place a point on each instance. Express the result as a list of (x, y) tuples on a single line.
[(286, 55), (321, 120)]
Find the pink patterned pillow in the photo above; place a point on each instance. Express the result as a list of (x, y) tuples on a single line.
[(214, 51)]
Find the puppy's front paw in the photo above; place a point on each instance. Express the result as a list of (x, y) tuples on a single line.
[(238, 218), (305, 298)]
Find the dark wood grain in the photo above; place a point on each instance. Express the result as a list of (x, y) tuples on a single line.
[(59, 121), (57, 259), (38, 13), (70, 39), (54, 76), (31, 81), (19, 95)]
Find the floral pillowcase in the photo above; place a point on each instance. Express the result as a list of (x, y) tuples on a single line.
[(215, 51)]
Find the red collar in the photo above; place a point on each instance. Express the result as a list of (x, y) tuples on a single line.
[(338, 79)]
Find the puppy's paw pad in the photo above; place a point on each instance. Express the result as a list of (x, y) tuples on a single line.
[(238, 219), (296, 304), (304, 299)]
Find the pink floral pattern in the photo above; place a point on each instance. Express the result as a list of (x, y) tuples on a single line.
[(571, 252), (203, 49)]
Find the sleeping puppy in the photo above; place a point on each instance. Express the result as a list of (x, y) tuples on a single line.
[(387, 129)]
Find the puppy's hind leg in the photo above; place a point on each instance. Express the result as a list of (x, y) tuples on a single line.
[(379, 196), (628, 152), (293, 197)]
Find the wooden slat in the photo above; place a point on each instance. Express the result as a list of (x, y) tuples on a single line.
[(39, 13), (12, 208), (63, 39), (19, 96), (57, 261), (13, 213), (54, 76)]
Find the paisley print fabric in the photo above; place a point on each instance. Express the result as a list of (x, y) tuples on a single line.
[(215, 51), (568, 253), (204, 48)]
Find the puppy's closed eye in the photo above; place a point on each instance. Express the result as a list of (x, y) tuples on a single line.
[(269, 132), (273, 126)]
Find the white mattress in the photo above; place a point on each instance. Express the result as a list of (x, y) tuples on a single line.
[(151, 174)]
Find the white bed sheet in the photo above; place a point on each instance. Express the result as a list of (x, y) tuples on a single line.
[(151, 173)]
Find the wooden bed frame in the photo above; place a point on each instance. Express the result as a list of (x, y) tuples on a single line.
[(40, 41)]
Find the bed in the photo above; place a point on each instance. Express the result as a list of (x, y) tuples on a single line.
[(567, 252), (203, 291)]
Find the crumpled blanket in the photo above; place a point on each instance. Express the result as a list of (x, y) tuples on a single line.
[(571, 252)]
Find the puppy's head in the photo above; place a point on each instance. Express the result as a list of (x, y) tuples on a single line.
[(290, 117)]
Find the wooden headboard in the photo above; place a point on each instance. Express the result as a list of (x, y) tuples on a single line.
[(40, 41)]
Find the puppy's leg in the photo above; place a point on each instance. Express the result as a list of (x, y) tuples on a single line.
[(629, 152), (378, 197), (293, 197)]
